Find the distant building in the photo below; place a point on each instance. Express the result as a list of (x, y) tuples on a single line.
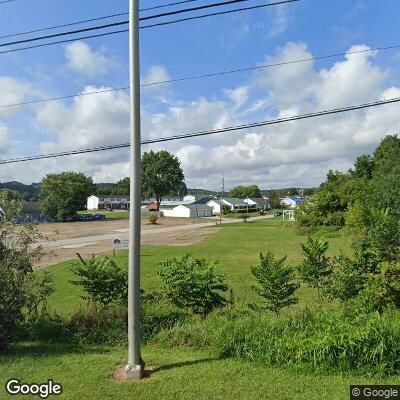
[(239, 205), (291, 202), (108, 203), (216, 205), (187, 211), (261, 203)]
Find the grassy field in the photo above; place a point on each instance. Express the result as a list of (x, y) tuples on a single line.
[(109, 214), (181, 374), (86, 373), (235, 246)]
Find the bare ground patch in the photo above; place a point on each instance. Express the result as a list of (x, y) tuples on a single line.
[(86, 250)]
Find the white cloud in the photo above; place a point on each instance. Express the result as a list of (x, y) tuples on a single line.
[(13, 91), (83, 60), (271, 156)]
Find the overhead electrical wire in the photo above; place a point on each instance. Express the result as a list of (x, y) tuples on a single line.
[(202, 76), (207, 133), (119, 23)]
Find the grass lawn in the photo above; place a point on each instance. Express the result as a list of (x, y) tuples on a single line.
[(109, 214), (235, 246), (185, 373), (182, 374)]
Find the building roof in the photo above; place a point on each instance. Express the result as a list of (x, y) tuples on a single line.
[(260, 201), (235, 201), (203, 200), (296, 199), (31, 207), (217, 201)]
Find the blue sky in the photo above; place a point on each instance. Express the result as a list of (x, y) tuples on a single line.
[(284, 155)]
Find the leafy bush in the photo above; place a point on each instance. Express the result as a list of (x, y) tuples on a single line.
[(153, 218), (103, 280), (94, 325), (225, 209), (275, 283), (244, 217), (319, 341), (316, 267), (12, 300), (191, 284)]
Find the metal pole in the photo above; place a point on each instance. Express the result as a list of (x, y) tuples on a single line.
[(134, 368)]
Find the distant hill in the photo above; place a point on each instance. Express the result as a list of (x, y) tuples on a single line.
[(29, 192)]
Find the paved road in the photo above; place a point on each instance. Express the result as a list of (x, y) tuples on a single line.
[(112, 236)]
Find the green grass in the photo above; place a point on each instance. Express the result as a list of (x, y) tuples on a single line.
[(109, 214), (182, 374), (235, 246), (85, 373)]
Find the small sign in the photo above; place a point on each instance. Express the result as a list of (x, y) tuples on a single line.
[(120, 244)]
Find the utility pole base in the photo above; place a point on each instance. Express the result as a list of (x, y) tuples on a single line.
[(133, 372)]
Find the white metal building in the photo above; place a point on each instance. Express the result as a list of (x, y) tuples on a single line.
[(188, 211)]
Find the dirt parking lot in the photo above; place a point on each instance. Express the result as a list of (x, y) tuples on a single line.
[(68, 230), (65, 252)]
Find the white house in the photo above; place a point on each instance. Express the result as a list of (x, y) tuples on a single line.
[(216, 206), (261, 204), (239, 205), (291, 202), (107, 202), (187, 211)]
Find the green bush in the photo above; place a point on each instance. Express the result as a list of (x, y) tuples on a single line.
[(103, 280), (225, 209), (94, 325), (191, 284), (318, 341), (316, 267), (275, 283), (153, 219), (244, 217), (12, 301)]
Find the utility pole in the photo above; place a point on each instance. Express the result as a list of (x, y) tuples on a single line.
[(134, 368), (222, 187)]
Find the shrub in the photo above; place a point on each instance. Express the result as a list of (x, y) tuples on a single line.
[(244, 217), (191, 284), (94, 325), (12, 300), (275, 283), (153, 219), (225, 209), (103, 280), (319, 341), (316, 267)]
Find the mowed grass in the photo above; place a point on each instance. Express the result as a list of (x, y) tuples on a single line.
[(180, 374), (235, 246), (86, 373)]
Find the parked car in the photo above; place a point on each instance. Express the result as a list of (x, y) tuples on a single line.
[(278, 214)]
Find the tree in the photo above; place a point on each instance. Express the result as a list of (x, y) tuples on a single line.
[(275, 283), (316, 267), (192, 284), (63, 195), (10, 204), (242, 192), (122, 187), (364, 166), (161, 174)]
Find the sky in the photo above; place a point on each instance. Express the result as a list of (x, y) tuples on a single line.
[(291, 154)]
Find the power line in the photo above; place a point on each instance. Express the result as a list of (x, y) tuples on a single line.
[(209, 132), (217, 13), (212, 74), (119, 23), (83, 21), (167, 5)]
